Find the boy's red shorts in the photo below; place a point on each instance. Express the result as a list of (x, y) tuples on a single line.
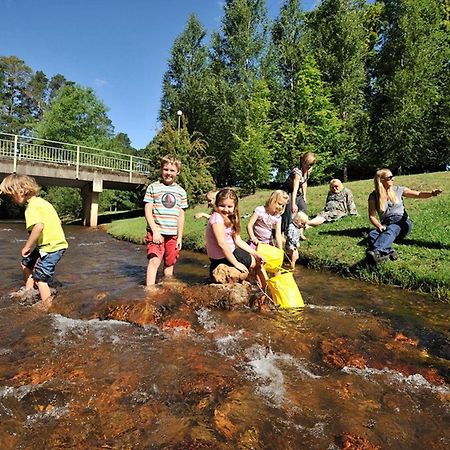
[(168, 249)]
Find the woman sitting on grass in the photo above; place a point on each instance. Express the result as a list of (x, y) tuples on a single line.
[(392, 223), (339, 204)]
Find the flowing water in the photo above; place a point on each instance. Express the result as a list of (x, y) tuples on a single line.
[(361, 366)]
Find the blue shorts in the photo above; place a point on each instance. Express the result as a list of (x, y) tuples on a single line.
[(42, 264)]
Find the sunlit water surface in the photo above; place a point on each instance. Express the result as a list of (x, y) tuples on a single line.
[(360, 359)]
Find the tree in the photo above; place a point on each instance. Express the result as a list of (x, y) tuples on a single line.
[(236, 55), (303, 116), (251, 160), (410, 77), (339, 40), (76, 116), (185, 81), (15, 114)]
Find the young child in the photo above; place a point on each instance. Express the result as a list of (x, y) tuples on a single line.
[(224, 244), (165, 202), (46, 243), (298, 224), (267, 219), (210, 198)]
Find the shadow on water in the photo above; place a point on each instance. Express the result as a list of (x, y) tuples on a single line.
[(92, 373)]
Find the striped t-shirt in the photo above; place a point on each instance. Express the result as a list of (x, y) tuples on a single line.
[(167, 200)]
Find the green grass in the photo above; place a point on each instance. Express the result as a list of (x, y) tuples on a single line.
[(424, 257)]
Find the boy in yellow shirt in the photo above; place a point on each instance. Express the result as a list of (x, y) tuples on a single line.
[(46, 243)]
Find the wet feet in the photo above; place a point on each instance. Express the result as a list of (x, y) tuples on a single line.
[(44, 305)]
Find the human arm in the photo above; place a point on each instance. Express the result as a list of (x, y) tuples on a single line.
[(295, 187), (180, 229), (421, 194), (251, 223), (278, 235), (373, 216), (244, 246), (148, 211), (202, 215), (218, 230), (32, 239), (304, 188)]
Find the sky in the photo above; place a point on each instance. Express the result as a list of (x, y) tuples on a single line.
[(120, 48)]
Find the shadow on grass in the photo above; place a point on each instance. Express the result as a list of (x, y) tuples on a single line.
[(363, 232)]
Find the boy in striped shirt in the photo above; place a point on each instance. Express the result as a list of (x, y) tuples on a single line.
[(165, 202)]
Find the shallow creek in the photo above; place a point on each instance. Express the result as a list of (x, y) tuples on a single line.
[(361, 366)]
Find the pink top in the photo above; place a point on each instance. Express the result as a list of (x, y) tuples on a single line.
[(212, 248), (264, 225)]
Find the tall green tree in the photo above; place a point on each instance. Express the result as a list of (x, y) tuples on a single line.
[(251, 161), (410, 104), (15, 114), (185, 83), (339, 40), (236, 55), (76, 116), (303, 116)]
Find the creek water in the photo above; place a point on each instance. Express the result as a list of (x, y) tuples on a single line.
[(361, 366)]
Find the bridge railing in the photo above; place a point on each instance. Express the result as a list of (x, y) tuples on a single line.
[(41, 150)]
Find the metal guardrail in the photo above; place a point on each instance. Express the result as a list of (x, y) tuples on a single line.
[(27, 148)]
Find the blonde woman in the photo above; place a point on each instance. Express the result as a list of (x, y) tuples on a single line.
[(387, 214)]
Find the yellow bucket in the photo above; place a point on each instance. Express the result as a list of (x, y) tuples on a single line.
[(273, 256), (284, 291)]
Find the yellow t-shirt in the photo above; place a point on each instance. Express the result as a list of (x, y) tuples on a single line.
[(52, 237)]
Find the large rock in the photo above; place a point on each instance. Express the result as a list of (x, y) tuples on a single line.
[(224, 274)]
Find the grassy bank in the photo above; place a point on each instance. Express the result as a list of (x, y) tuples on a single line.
[(424, 257)]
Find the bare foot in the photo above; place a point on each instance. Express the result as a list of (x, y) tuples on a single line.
[(44, 305)]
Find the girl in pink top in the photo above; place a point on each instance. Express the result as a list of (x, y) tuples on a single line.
[(267, 219), (224, 244)]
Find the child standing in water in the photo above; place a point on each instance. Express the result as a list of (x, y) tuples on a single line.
[(165, 202), (224, 244), (294, 233), (46, 243), (267, 219)]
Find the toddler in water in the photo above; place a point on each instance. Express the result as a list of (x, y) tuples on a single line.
[(267, 219), (294, 232), (46, 242), (224, 244)]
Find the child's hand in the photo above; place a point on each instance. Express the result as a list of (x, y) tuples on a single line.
[(179, 243), (294, 208), (26, 251), (157, 238), (239, 266), (436, 192), (255, 241)]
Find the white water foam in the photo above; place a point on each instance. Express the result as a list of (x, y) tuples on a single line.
[(6, 229), (66, 327), (54, 413), (18, 392), (264, 368), (415, 381), (206, 319), (90, 244)]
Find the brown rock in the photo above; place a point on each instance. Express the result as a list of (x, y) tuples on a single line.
[(224, 274), (338, 353), (350, 441)]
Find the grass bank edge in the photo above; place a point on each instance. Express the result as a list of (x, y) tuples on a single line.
[(340, 246)]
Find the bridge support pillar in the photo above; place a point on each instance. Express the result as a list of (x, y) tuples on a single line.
[(90, 195)]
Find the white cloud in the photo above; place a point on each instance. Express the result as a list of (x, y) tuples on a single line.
[(98, 82)]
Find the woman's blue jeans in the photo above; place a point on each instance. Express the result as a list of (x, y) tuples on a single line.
[(382, 241)]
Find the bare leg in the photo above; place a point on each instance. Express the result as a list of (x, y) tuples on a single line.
[(27, 280), (152, 270), (294, 257), (46, 296), (318, 220), (168, 271)]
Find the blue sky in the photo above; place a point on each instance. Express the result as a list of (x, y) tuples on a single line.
[(118, 47)]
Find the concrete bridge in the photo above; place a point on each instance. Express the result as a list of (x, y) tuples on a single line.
[(90, 169)]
